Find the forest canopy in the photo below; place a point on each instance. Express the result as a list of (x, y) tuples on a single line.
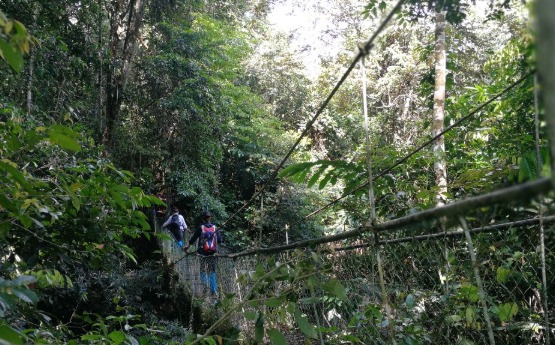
[(111, 112)]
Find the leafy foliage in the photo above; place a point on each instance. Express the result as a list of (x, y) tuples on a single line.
[(206, 113), (61, 207), (14, 42), (328, 172)]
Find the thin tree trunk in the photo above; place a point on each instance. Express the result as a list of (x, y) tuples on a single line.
[(438, 147), (30, 71), (100, 106), (29, 86), (546, 70), (112, 92), (546, 67), (133, 35)]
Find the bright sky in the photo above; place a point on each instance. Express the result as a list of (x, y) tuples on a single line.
[(306, 27), (309, 28)]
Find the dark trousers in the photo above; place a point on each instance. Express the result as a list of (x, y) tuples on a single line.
[(178, 235), (208, 272)]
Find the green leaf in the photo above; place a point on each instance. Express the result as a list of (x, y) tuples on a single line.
[(19, 27), (129, 253), (465, 341), (8, 27), (293, 170), (527, 168), (276, 337), (502, 275), (26, 221), (335, 287), (470, 314), (273, 302), (304, 325), (64, 137), (16, 174), (25, 295), (210, 340), (117, 337), (75, 202), (325, 180), (12, 56), (5, 227), (259, 333), (469, 292), (250, 315), (317, 175), (92, 337), (454, 318), (507, 311), (7, 203), (155, 200), (10, 336), (258, 273)]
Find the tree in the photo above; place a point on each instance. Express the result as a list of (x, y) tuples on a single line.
[(438, 147), (126, 21)]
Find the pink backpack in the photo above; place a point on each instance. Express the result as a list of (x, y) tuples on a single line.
[(208, 238)]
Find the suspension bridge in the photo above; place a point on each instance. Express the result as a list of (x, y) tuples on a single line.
[(474, 271)]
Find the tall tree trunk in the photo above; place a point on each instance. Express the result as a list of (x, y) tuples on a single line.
[(100, 105), (545, 28), (29, 86), (438, 147), (30, 71), (126, 17)]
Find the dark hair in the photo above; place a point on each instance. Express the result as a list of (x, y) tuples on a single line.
[(206, 214)]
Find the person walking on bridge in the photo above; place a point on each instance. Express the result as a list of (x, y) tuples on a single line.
[(208, 238), (176, 225)]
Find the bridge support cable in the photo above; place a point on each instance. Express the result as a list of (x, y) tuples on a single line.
[(420, 148), (448, 234), (363, 51), (519, 192), (478, 279)]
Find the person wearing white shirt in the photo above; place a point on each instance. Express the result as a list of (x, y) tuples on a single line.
[(176, 225)]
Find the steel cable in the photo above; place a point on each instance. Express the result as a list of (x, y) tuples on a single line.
[(362, 52)]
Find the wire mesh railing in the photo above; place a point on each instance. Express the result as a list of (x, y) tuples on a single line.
[(436, 290)]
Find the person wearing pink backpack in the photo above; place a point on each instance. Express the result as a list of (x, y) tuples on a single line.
[(208, 238)]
